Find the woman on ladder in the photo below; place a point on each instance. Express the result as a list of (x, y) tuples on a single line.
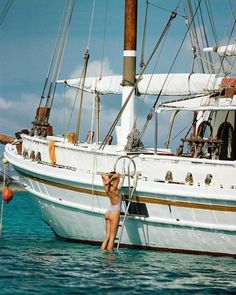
[(112, 216)]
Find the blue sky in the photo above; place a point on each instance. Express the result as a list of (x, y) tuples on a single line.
[(27, 36)]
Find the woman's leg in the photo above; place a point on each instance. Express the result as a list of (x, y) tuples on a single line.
[(108, 230), (114, 223)]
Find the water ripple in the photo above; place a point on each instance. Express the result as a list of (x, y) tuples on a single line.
[(33, 261)]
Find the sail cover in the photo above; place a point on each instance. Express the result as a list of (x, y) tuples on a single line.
[(201, 103), (168, 84), (229, 50)]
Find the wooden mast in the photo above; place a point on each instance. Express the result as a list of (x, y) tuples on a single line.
[(130, 40), (129, 70)]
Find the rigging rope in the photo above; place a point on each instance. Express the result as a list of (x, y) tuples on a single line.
[(64, 101), (82, 80), (232, 64), (91, 25), (228, 42), (213, 27), (150, 114), (1, 217), (211, 20), (72, 110), (83, 75), (231, 9), (144, 37), (171, 18), (92, 120), (204, 38), (2, 204), (182, 130), (233, 41), (104, 38), (166, 9), (177, 53), (62, 24), (154, 68), (189, 124), (60, 52), (200, 40), (5, 11), (84, 72), (193, 30), (56, 60), (221, 58)]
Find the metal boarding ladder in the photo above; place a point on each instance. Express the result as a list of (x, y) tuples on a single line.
[(131, 189)]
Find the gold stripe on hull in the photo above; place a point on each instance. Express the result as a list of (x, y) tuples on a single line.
[(140, 199)]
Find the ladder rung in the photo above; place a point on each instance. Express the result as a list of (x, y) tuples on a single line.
[(136, 215), (132, 215), (131, 190)]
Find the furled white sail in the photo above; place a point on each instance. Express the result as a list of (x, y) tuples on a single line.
[(229, 50), (104, 85), (178, 84), (167, 84), (201, 103)]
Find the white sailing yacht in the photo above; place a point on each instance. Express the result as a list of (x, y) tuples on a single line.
[(182, 200)]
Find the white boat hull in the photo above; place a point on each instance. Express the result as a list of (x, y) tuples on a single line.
[(173, 217), (86, 223)]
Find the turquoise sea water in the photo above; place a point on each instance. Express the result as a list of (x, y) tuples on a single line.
[(33, 261)]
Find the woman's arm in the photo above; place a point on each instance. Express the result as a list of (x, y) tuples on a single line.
[(114, 176), (105, 178), (116, 179)]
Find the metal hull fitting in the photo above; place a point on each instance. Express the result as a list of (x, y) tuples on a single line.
[(200, 220)]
